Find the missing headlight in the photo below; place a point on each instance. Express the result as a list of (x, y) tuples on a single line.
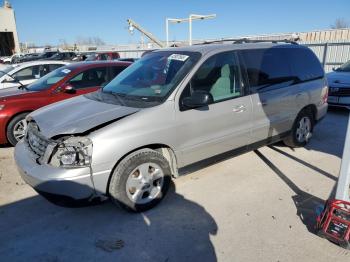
[(72, 152)]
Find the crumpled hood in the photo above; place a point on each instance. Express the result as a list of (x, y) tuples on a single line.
[(76, 115), (12, 91), (338, 78)]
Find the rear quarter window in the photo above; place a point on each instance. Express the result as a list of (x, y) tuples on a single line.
[(305, 65)]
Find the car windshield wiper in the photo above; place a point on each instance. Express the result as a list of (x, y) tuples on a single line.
[(118, 96), (23, 87)]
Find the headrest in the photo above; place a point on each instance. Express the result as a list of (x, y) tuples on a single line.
[(225, 71)]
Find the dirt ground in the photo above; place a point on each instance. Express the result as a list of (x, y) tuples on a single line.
[(259, 206)]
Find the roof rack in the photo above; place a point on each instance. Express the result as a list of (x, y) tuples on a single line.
[(248, 40), (218, 41)]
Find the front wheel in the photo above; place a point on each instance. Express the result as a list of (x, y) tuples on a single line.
[(140, 181), (302, 130), (16, 128)]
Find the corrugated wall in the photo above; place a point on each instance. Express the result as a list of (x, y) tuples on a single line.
[(331, 54)]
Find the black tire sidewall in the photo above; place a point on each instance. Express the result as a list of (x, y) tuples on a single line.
[(117, 187), (9, 130)]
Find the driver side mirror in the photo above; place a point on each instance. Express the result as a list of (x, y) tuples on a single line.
[(198, 98), (68, 89)]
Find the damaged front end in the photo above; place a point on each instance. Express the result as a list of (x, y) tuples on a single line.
[(66, 152)]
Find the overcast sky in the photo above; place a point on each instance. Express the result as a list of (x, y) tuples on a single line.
[(51, 21)]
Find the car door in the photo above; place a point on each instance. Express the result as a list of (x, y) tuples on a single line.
[(86, 81), (272, 85), (223, 125)]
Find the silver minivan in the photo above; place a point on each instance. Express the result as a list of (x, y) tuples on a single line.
[(170, 109)]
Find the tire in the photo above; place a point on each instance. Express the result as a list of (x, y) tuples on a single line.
[(13, 124), (140, 181), (294, 139)]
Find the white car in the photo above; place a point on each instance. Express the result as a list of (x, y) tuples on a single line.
[(26, 73)]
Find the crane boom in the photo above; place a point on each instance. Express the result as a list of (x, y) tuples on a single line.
[(133, 24)]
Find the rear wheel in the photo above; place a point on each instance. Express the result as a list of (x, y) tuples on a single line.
[(302, 130), (140, 181), (16, 129)]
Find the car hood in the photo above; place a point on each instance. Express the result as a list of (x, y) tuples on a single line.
[(77, 115), (6, 93), (338, 78)]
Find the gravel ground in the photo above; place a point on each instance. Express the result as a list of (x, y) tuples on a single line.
[(259, 206)]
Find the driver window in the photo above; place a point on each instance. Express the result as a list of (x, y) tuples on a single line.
[(27, 73), (219, 76)]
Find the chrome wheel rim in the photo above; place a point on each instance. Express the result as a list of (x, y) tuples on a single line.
[(19, 130), (303, 132), (145, 183)]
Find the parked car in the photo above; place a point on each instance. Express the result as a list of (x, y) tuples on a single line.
[(17, 75), (34, 57), (62, 83), (81, 56), (168, 110), (96, 56), (11, 59), (66, 56), (339, 86)]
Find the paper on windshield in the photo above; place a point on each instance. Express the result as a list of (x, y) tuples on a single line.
[(66, 71), (178, 57)]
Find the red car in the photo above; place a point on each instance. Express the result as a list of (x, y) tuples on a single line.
[(97, 56), (62, 83)]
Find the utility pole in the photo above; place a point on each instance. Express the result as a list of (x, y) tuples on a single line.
[(181, 20)]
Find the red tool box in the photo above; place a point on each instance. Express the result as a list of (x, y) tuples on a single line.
[(334, 222)]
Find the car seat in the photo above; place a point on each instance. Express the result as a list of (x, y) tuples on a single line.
[(222, 87)]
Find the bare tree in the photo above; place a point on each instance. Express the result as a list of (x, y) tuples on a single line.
[(340, 23), (90, 41)]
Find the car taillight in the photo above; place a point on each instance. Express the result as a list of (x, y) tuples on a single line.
[(325, 94)]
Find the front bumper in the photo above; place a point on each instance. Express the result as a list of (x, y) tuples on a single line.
[(74, 183), (3, 124), (339, 101)]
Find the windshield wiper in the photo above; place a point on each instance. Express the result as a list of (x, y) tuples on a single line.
[(118, 96), (23, 87)]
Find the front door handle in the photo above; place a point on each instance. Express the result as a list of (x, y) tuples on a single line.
[(239, 109)]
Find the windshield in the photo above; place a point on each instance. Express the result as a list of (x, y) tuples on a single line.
[(5, 70), (344, 67), (152, 78), (48, 80)]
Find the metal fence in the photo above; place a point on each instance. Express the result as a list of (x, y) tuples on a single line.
[(331, 54)]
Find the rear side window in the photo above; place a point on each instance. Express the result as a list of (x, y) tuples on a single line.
[(278, 67), (267, 69), (305, 64)]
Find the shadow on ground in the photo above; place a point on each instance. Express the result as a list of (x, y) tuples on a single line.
[(305, 203), (36, 230)]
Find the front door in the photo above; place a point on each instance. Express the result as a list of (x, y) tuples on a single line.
[(84, 82), (224, 124)]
